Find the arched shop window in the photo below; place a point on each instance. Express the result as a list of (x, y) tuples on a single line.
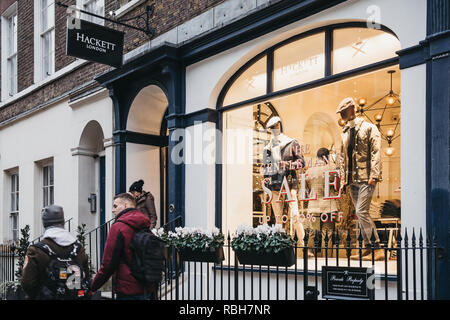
[(301, 81)]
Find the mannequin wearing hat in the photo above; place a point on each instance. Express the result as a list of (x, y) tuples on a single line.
[(282, 156), (361, 145)]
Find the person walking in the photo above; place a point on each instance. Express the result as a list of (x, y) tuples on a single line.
[(57, 267), (117, 254), (145, 202)]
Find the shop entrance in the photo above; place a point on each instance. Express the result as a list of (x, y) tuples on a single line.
[(90, 156), (147, 144)]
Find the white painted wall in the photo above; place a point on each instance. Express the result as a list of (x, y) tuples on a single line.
[(50, 133), (200, 178)]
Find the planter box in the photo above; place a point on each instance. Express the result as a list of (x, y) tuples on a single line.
[(284, 258), (215, 256)]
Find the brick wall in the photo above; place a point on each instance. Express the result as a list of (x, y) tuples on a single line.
[(167, 15), (61, 60), (25, 40)]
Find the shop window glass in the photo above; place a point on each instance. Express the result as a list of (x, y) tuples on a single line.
[(251, 83), (309, 118), (299, 62), (356, 47)]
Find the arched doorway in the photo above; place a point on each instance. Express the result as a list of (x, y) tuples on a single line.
[(147, 145), (91, 176)]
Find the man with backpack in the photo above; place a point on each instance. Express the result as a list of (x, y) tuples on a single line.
[(55, 268), (132, 255)]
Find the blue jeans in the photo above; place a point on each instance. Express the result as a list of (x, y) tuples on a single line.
[(361, 194)]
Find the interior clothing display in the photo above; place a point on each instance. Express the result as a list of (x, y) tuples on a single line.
[(293, 215), (281, 157), (361, 194), (375, 210), (391, 208), (315, 178), (364, 160)]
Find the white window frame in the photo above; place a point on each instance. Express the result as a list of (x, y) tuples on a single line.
[(95, 6), (9, 44), (44, 30), (127, 7), (48, 170)]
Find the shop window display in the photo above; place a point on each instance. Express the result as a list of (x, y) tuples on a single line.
[(294, 144)]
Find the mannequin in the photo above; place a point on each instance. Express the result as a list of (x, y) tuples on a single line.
[(361, 144), (282, 156)]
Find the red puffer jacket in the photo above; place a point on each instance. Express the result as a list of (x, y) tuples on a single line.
[(117, 255)]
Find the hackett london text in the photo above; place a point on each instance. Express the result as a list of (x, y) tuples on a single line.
[(95, 44)]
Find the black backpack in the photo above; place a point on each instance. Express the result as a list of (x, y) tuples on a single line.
[(148, 256), (65, 278)]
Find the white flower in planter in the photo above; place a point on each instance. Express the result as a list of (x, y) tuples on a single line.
[(215, 231)]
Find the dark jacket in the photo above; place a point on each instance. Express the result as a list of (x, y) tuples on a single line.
[(34, 271), (117, 255), (291, 160), (146, 204)]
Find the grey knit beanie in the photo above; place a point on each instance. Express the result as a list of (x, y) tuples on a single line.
[(52, 215)]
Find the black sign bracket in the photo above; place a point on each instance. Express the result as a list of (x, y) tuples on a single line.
[(150, 32)]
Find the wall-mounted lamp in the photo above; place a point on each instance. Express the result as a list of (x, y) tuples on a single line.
[(93, 202)]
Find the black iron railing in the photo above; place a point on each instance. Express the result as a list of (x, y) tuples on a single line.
[(406, 271), (401, 274)]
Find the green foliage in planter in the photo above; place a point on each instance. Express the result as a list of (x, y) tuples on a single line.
[(192, 238), (81, 237), (8, 286), (263, 239)]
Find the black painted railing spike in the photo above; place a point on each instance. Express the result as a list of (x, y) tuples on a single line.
[(372, 238), (360, 239), (349, 238), (421, 238), (317, 237), (306, 238), (399, 237), (406, 237), (295, 237), (326, 238), (338, 238), (413, 238)]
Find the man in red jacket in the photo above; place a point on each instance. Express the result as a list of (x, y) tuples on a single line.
[(117, 255)]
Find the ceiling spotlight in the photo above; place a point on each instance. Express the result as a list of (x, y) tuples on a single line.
[(362, 101), (390, 133), (389, 151)]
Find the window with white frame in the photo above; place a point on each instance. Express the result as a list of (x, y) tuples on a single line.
[(9, 53), (47, 185), (14, 209), (45, 31), (96, 7), (124, 6)]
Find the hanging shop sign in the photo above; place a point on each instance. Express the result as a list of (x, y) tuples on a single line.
[(94, 42), (349, 283)]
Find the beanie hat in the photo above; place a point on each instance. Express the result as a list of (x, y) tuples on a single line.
[(136, 186), (52, 215)]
